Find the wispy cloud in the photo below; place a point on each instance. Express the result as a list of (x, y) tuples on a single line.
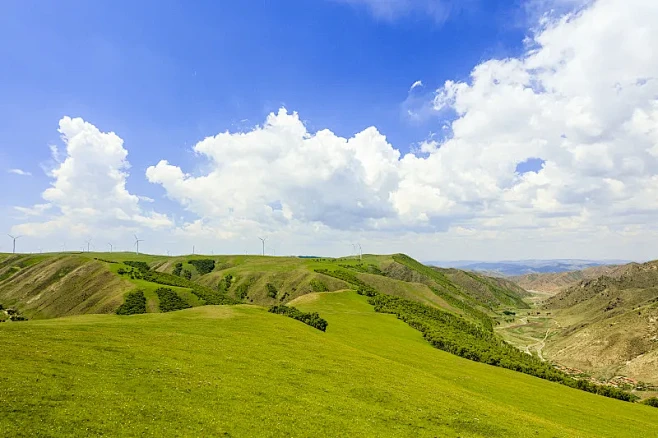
[(20, 172), (415, 85), (390, 10)]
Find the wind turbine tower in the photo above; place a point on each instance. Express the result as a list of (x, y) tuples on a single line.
[(111, 247), (14, 238), (137, 240), (88, 241), (263, 239)]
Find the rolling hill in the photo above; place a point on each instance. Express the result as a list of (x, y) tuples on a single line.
[(241, 371), (53, 285), (609, 325)]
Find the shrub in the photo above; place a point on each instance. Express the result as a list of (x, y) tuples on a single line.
[(142, 266), (225, 283), (318, 286), (312, 319), (242, 290), (203, 266), (178, 267), (170, 301), (651, 401), (134, 303), (187, 274), (271, 290)]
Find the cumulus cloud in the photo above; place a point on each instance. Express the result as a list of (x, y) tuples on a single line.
[(88, 193), (581, 100), (20, 172)]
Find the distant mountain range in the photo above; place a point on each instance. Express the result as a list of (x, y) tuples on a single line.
[(522, 267)]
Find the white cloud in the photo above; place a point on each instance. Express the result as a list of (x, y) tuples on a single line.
[(583, 98), (389, 10), (415, 85), (89, 192), (19, 172)]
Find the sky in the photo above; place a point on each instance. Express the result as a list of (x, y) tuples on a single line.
[(447, 130)]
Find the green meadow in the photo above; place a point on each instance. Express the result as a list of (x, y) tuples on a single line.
[(241, 371)]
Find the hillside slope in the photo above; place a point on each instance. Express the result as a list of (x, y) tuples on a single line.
[(240, 371), (609, 325), (51, 285)]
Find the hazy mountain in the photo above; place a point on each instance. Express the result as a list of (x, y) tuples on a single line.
[(522, 267)]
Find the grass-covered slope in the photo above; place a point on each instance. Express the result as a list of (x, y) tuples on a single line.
[(241, 371), (46, 286), (52, 285)]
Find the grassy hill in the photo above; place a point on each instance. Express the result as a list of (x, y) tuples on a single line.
[(53, 285), (241, 371)]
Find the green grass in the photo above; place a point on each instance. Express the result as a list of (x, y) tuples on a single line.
[(241, 371)]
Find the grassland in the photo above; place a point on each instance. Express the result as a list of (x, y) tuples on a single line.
[(241, 371)]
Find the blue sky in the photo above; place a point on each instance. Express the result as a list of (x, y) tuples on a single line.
[(164, 75)]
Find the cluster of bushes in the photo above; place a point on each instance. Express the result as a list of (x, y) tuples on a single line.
[(12, 314), (134, 303), (312, 319), (225, 283), (104, 260), (208, 295), (169, 300), (318, 286), (651, 401), (271, 290), (203, 266), (243, 290), (178, 267), (456, 335), (142, 266)]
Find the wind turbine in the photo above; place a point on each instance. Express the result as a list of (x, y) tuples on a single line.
[(88, 241), (111, 247), (14, 239), (360, 252), (263, 239), (137, 243)]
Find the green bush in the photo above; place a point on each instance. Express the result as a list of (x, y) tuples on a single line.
[(142, 266), (271, 290), (134, 303), (203, 266), (242, 290), (187, 274), (651, 401), (312, 319), (178, 267), (170, 301), (225, 283), (318, 286)]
